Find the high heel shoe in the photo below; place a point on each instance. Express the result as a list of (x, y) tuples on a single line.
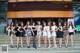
[(22, 46), (49, 46), (11, 46), (17, 47), (28, 46), (60, 46), (34, 46), (55, 46), (45, 45)]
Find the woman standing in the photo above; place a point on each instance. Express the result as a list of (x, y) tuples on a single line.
[(22, 32), (28, 33), (17, 34), (10, 28), (53, 29), (60, 34), (45, 34), (65, 33), (71, 32), (39, 33), (48, 29), (34, 33)]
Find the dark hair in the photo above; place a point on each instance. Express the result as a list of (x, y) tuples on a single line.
[(33, 23), (65, 23), (11, 24), (59, 23), (71, 24), (21, 23), (43, 23), (16, 23), (38, 22)]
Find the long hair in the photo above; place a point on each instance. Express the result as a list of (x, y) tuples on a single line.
[(11, 24), (27, 23), (66, 24), (21, 24), (16, 24), (71, 24)]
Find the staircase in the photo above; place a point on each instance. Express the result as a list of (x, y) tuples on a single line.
[(4, 39)]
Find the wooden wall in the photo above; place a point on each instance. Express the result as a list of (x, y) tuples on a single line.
[(36, 14), (34, 0), (40, 9)]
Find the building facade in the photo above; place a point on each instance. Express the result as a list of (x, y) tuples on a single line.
[(43, 10)]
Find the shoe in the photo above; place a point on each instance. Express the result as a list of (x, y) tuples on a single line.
[(66, 46), (11, 46), (55, 46), (45, 45), (17, 47), (34, 46), (49, 46), (39, 46), (60, 46), (22, 46), (28, 46)]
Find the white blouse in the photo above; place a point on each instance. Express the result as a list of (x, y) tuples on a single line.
[(53, 28), (71, 29), (48, 28)]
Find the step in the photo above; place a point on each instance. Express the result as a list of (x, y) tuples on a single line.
[(75, 49), (14, 38), (37, 41), (76, 42)]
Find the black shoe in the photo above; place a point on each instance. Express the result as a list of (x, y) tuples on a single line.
[(34, 46), (11, 46), (66, 46), (17, 47), (28, 46)]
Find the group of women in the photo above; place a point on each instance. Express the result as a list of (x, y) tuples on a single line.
[(46, 30)]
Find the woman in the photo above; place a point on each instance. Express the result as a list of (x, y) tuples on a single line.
[(10, 29), (17, 34), (53, 29), (28, 33), (60, 34), (22, 32), (71, 32), (45, 34), (39, 33), (48, 30), (65, 33), (34, 33)]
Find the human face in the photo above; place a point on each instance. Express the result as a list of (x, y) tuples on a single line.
[(22, 24), (49, 23), (16, 24), (44, 24), (59, 24), (53, 23), (33, 24), (28, 23), (39, 23)]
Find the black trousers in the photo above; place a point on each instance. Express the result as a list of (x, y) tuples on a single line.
[(34, 41)]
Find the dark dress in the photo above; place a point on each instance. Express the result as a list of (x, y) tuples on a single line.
[(34, 31), (59, 33), (17, 32), (65, 29), (22, 33)]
